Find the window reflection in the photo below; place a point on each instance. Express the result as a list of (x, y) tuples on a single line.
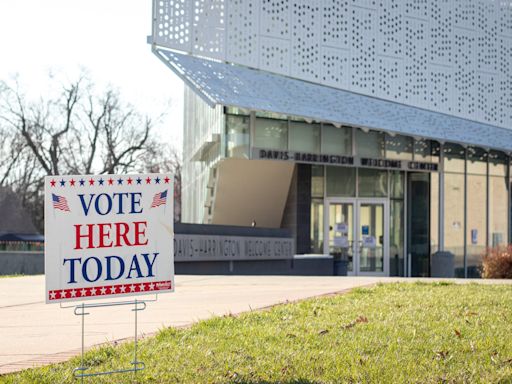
[(272, 134)]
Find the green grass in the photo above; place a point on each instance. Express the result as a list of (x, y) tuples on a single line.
[(394, 333)]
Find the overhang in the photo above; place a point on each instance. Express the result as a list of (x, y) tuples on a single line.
[(231, 85)]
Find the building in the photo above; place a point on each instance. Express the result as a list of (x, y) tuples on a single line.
[(377, 131)]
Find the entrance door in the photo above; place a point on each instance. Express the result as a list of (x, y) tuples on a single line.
[(357, 230)]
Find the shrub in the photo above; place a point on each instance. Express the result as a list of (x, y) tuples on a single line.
[(497, 263)]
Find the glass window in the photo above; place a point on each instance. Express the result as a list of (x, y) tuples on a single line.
[(271, 115), (477, 161), (317, 181), (434, 212), (369, 144), (476, 235), (498, 163), (454, 219), (271, 134), (373, 182), (317, 226), (237, 111), (399, 147), (341, 181), (454, 158), (237, 137), (426, 151), (396, 238), (304, 137), (498, 211), (336, 141), (397, 184)]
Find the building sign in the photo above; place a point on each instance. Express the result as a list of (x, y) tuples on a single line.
[(355, 161), (303, 157), (108, 236), (222, 248)]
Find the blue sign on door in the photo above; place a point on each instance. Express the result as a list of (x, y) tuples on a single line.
[(474, 236), (365, 229)]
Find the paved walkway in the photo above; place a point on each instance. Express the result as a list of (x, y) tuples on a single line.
[(33, 333)]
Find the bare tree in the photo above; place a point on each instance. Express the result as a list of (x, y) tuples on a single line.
[(75, 131), (164, 158)]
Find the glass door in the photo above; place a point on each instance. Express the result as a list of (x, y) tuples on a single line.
[(373, 235), (339, 228), (357, 231)]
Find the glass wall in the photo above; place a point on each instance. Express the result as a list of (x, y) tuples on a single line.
[(336, 140), (498, 197), (476, 187), (476, 212), (372, 182), (341, 181), (304, 137), (317, 209), (396, 224), (454, 184), (369, 144), (399, 147), (237, 136), (271, 134), (434, 212)]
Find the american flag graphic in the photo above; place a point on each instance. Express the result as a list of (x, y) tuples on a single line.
[(60, 202), (159, 199)]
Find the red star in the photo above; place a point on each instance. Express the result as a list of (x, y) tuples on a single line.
[(110, 181), (129, 180), (91, 182), (148, 180), (52, 183), (72, 182), (167, 179)]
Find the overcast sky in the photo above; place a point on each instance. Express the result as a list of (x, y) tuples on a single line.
[(107, 37)]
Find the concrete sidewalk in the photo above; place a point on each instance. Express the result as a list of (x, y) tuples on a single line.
[(33, 333)]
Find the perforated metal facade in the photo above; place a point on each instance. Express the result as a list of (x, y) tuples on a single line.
[(449, 56)]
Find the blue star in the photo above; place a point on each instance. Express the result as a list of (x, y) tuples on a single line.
[(139, 180), (157, 180), (119, 181), (62, 183), (100, 181), (82, 182)]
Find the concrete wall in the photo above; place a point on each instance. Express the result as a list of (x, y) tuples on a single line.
[(314, 266), (21, 263)]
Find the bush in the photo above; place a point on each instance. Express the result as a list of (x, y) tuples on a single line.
[(497, 263)]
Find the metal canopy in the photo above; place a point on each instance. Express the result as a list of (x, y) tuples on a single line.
[(230, 85)]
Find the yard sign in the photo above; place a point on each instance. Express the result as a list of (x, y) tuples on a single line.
[(108, 236)]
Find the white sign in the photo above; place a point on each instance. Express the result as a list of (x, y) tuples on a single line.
[(341, 227), (341, 241), (369, 242), (108, 236)]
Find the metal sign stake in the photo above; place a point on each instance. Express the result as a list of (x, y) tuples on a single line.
[(80, 310)]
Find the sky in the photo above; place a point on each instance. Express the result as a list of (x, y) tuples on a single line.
[(107, 38)]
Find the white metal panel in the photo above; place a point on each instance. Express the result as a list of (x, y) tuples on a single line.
[(416, 57), (305, 38), (172, 24), (335, 67), (231, 85), (363, 60), (209, 28), (242, 41), (275, 18)]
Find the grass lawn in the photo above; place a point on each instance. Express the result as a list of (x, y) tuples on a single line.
[(394, 333)]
